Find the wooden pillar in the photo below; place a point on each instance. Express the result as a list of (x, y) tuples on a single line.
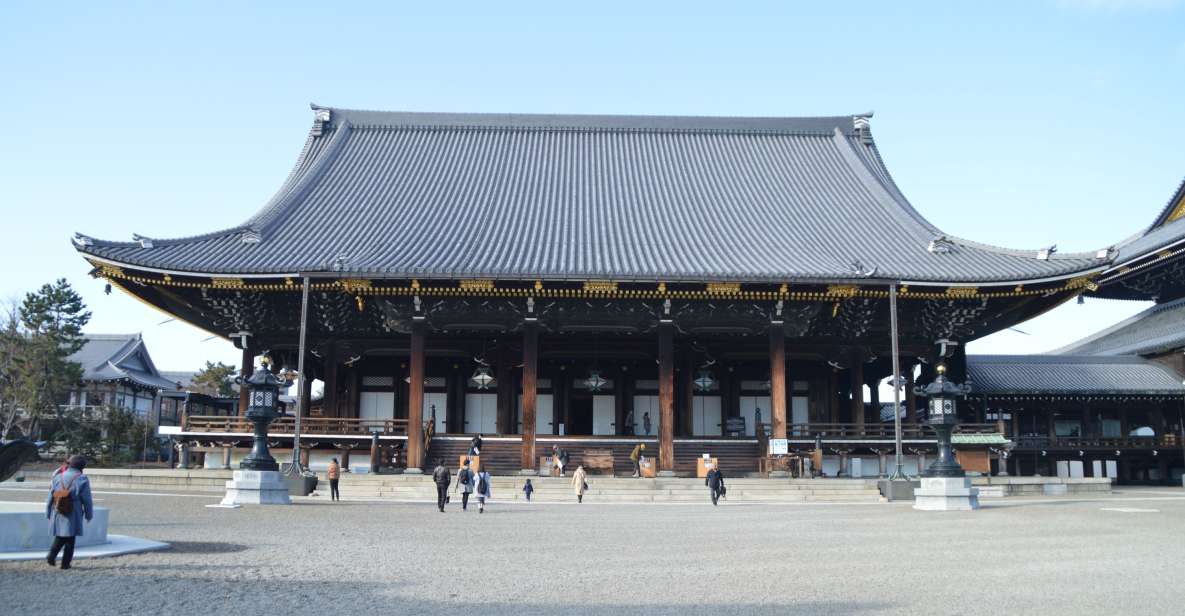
[(856, 375), (833, 396), (346, 459), (687, 395), (306, 395), (355, 409), (561, 387), (777, 380), (374, 453), (620, 406), (507, 392), (246, 369), (415, 399), (329, 398), (911, 399), (530, 382), (874, 399), (666, 396)]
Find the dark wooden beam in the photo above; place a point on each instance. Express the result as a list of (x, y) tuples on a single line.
[(777, 381), (415, 399), (329, 395), (666, 396), (246, 369), (530, 382)]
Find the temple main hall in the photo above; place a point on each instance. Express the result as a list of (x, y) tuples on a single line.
[(702, 285)]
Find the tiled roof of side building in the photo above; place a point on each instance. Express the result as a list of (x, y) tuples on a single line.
[(1158, 329), (116, 357), (509, 196), (1070, 375)]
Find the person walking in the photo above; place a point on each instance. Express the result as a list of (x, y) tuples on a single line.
[(465, 481), (715, 483), (580, 483), (442, 477), (559, 458), (629, 423), (334, 474), (528, 489), (646, 422), (483, 489), (68, 504), (475, 445), (635, 457)]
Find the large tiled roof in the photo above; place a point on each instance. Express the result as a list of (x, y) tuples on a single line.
[(1070, 375), (425, 195), (1158, 329), (118, 357)]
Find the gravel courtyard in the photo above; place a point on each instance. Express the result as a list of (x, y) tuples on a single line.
[(356, 557)]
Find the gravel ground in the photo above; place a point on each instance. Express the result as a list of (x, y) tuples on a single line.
[(1056, 556)]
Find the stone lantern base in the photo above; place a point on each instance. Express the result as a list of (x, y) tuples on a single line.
[(946, 494), (255, 488)]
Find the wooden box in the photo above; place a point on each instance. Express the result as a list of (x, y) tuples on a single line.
[(649, 466), (702, 466), (474, 462), (547, 467)]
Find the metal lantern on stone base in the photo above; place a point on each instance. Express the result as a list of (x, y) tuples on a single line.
[(944, 486), (263, 397), (943, 416)]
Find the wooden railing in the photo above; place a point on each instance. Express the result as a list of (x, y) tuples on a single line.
[(851, 431), (1132, 442), (308, 425)]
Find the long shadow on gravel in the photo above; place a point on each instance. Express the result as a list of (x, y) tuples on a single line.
[(207, 547)]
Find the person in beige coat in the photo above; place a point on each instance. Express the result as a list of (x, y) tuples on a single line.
[(579, 483)]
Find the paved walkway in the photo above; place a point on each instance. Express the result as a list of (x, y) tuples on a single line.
[(1104, 555)]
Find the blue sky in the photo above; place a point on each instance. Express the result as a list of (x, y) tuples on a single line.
[(1015, 123)]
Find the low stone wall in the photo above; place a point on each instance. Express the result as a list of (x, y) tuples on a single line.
[(194, 480), (1040, 486)]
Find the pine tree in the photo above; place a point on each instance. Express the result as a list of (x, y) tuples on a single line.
[(52, 319), (214, 380)]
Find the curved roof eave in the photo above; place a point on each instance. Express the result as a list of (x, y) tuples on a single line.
[(316, 156)]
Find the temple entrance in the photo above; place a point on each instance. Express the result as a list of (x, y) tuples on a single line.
[(580, 412)]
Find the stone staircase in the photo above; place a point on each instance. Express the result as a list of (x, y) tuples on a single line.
[(623, 490), (502, 455)]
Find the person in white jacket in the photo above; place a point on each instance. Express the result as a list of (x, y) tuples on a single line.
[(482, 489)]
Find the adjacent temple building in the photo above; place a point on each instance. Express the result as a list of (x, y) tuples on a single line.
[(697, 284)]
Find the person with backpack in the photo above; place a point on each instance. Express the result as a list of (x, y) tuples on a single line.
[(334, 474), (68, 504), (715, 483), (465, 481), (483, 489), (475, 445), (580, 483), (442, 477)]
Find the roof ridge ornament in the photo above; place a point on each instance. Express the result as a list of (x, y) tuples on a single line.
[(145, 242), (321, 118), (1045, 253), (940, 245), (863, 127)]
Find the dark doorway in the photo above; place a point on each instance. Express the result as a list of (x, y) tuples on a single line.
[(580, 412)]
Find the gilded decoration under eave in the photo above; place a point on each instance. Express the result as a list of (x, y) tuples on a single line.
[(355, 285), (476, 285), (600, 286), (227, 283)]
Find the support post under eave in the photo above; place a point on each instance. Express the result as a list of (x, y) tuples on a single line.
[(415, 400), (246, 369), (530, 380), (777, 379), (857, 382), (666, 397)]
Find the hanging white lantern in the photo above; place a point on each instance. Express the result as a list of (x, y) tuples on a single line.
[(481, 378), (595, 382), (704, 382)]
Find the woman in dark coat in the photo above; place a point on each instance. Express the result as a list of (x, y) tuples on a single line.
[(66, 527)]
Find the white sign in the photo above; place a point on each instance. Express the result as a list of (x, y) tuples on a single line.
[(779, 446)]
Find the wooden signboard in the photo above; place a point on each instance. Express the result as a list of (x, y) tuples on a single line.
[(703, 465), (974, 461)]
